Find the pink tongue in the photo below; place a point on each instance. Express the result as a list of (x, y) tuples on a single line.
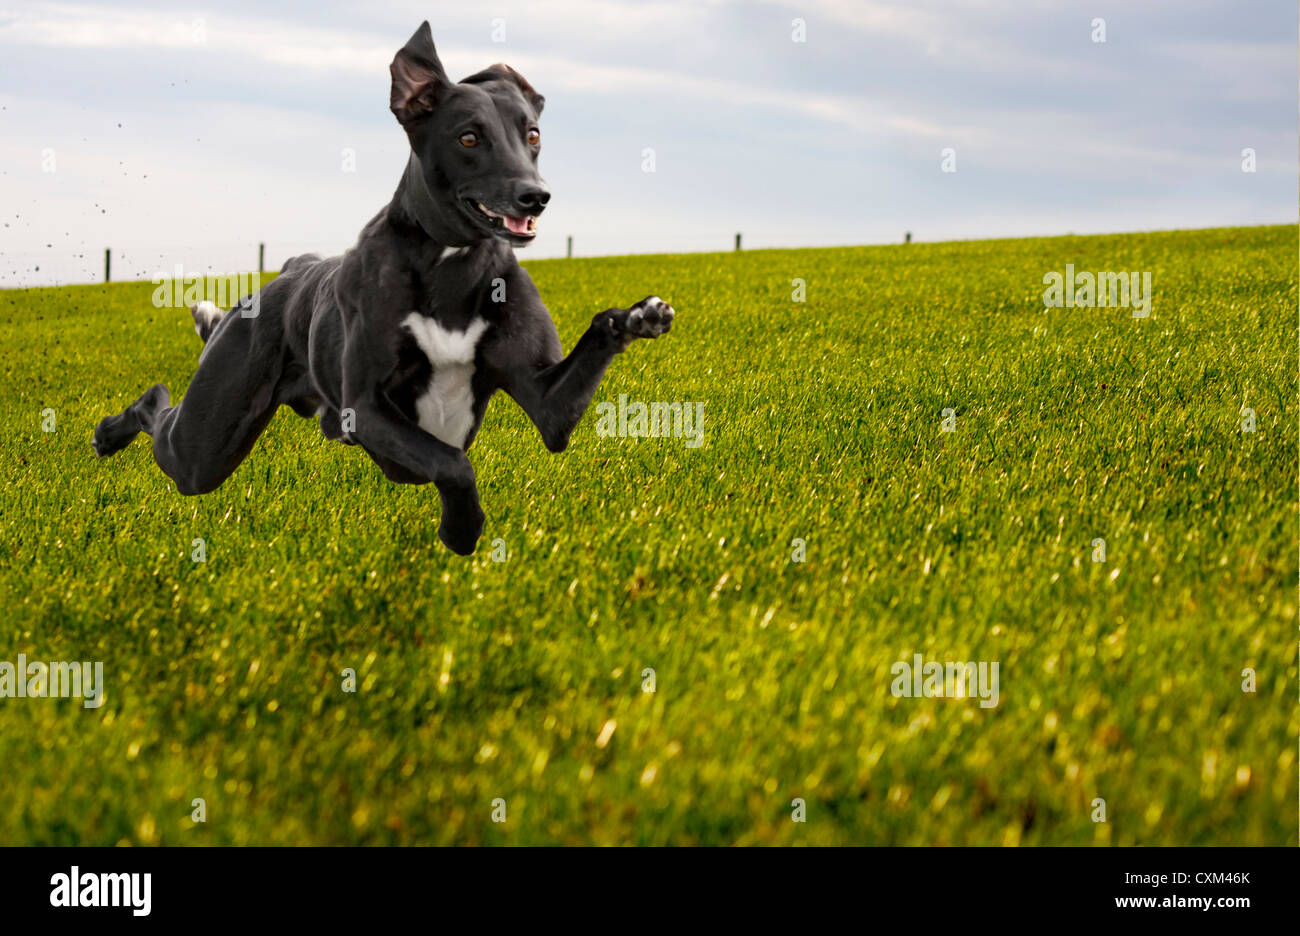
[(517, 225)]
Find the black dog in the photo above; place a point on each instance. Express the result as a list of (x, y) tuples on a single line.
[(399, 344)]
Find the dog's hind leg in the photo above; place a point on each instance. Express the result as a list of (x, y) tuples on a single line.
[(201, 441)]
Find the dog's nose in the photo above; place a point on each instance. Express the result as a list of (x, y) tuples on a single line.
[(532, 198)]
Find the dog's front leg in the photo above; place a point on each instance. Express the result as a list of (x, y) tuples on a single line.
[(368, 415), (555, 395), (381, 429)]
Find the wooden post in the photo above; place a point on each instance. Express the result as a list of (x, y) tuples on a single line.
[(261, 257), (108, 263), (737, 240), (570, 253)]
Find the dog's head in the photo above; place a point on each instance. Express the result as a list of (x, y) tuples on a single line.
[(476, 142)]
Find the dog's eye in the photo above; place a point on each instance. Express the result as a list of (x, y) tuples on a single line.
[(534, 136), (469, 138)]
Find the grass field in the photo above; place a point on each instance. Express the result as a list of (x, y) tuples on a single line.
[(522, 680)]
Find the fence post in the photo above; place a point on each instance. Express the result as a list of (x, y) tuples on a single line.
[(261, 257), (570, 253), (108, 263)]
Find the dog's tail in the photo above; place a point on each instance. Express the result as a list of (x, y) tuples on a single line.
[(207, 316)]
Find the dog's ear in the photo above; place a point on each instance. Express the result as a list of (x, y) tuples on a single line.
[(418, 77), (503, 72)]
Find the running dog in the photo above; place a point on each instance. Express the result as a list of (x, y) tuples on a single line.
[(399, 344)]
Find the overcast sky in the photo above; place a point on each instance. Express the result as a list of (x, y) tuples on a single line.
[(186, 135)]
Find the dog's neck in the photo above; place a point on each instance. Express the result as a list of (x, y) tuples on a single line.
[(416, 203)]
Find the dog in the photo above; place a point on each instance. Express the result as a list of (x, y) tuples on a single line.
[(399, 344)]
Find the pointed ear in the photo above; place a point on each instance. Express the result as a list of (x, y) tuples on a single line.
[(503, 72), (418, 77)]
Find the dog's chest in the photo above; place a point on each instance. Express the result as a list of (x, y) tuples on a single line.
[(445, 409)]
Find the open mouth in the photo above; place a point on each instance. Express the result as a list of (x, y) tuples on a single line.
[(524, 227)]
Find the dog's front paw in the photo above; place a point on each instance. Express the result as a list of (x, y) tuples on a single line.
[(461, 526), (649, 318)]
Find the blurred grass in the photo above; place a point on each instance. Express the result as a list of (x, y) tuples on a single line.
[(478, 680)]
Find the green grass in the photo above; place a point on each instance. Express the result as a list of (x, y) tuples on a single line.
[(480, 679)]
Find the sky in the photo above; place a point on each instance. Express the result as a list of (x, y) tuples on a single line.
[(179, 135)]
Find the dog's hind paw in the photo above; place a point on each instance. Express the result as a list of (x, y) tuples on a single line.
[(114, 433), (207, 316)]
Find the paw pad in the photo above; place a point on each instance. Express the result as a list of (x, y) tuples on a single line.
[(649, 318)]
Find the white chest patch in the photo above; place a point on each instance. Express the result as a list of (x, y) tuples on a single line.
[(446, 410)]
